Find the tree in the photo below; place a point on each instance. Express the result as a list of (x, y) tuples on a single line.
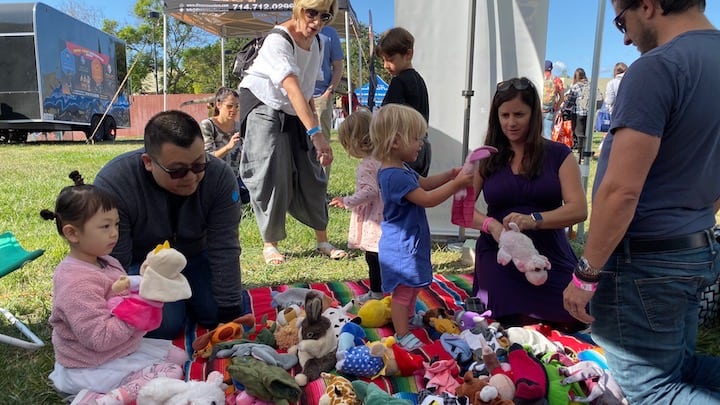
[(359, 72)]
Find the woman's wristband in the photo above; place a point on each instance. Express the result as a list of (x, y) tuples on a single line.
[(583, 285), (486, 224), (312, 131)]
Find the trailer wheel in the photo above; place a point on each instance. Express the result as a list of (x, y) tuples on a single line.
[(94, 121), (109, 129)]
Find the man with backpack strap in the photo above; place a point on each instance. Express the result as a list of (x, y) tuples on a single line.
[(551, 98)]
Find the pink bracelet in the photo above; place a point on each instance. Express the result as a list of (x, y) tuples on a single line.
[(486, 223), (583, 285)]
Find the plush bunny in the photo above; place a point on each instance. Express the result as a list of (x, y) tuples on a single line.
[(169, 391), (516, 246), (316, 349)]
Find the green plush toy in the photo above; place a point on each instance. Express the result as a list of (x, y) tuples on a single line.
[(371, 394)]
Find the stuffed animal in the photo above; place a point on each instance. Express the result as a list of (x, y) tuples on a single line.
[(339, 316), (160, 281), (338, 391), (316, 349), (480, 391), (375, 313), (517, 247), (286, 336), (288, 315), (371, 394), (441, 320), (203, 344), (243, 398), (169, 391), (296, 296)]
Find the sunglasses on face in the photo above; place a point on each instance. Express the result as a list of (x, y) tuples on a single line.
[(518, 84), (619, 20), (183, 171), (312, 14)]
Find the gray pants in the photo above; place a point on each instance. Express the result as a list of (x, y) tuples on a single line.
[(281, 175)]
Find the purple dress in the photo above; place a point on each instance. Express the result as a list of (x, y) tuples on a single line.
[(504, 289)]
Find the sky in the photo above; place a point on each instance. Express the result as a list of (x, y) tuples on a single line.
[(570, 38)]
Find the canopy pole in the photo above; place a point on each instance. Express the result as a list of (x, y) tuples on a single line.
[(164, 62), (222, 61), (347, 59), (586, 142), (468, 93)]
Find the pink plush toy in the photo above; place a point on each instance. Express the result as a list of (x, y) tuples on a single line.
[(516, 246), (463, 206)]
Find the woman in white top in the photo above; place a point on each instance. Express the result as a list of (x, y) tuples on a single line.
[(284, 150)]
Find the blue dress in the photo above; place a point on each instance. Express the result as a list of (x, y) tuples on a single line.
[(404, 247), (504, 289)]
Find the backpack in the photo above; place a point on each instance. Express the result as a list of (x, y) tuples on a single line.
[(549, 94), (245, 58)]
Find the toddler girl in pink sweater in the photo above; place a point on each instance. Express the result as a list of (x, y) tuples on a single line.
[(99, 357)]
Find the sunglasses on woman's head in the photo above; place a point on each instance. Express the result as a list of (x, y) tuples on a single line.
[(183, 171), (518, 84), (312, 14)]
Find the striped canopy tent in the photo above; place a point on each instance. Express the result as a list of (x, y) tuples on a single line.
[(252, 18), (247, 18)]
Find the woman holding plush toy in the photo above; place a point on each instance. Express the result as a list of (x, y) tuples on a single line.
[(98, 356), (534, 183)]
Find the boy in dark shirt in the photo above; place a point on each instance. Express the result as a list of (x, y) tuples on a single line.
[(407, 86)]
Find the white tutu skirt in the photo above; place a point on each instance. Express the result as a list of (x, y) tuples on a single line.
[(108, 376)]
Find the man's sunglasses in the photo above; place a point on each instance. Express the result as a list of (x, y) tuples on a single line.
[(619, 20), (312, 14), (519, 84), (183, 171)]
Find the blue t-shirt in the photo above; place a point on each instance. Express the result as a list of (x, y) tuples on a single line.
[(672, 92), (332, 51), (404, 247)]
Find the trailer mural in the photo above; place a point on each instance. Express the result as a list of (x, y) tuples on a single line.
[(79, 79), (59, 74)]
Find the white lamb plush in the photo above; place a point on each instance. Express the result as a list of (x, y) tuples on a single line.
[(170, 391), (518, 247)]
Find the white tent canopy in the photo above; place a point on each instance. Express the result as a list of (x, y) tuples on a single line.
[(509, 41)]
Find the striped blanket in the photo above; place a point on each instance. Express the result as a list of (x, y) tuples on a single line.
[(447, 291)]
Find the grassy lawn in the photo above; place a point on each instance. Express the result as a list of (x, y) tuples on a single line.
[(32, 176)]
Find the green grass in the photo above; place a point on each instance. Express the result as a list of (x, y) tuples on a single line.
[(33, 174)]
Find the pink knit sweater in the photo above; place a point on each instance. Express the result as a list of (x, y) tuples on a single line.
[(85, 333), (367, 207)]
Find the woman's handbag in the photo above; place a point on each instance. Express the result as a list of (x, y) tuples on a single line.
[(562, 131)]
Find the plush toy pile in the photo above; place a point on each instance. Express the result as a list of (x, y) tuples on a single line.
[(319, 352)]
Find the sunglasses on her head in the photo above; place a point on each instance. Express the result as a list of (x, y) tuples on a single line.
[(619, 20), (183, 171), (312, 14), (519, 84)]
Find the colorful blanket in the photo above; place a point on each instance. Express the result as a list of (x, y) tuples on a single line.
[(447, 291)]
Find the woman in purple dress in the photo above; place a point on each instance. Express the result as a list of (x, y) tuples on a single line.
[(534, 183)]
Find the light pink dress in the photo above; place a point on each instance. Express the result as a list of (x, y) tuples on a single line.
[(367, 207)]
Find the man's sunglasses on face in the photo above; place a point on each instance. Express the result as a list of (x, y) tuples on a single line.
[(183, 171)]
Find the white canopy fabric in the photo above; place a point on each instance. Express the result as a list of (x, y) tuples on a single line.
[(469, 47), (238, 18)]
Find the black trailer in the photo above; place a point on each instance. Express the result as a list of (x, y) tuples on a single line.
[(58, 74)]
